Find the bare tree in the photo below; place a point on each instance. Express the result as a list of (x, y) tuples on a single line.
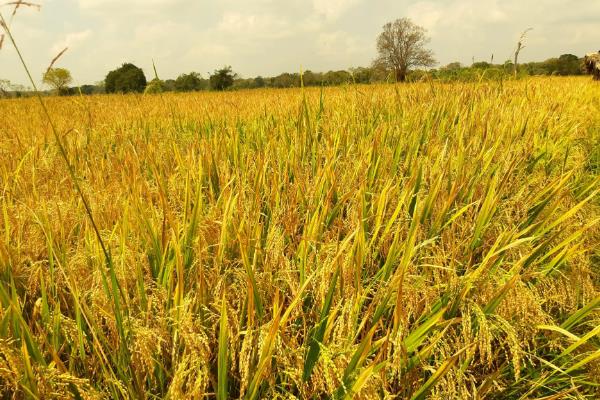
[(520, 47), (401, 46), (5, 86)]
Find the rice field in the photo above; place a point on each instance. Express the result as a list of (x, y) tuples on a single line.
[(386, 241)]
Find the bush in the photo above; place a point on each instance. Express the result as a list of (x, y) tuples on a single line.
[(155, 86), (127, 78), (222, 79), (190, 82)]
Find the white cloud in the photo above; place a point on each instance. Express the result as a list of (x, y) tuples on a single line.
[(208, 50), (131, 11), (254, 26), (161, 31), (126, 6), (460, 14), (426, 13), (338, 43), (333, 9), (72, 40)]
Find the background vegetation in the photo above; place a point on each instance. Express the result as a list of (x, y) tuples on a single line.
[(226, 78)]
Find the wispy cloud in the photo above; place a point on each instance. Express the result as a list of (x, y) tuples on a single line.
[(333, 9), (72, 40), (265, 26)]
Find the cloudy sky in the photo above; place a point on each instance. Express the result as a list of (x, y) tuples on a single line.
[(267, 37)]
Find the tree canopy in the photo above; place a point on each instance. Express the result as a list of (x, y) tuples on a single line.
[(190, 82), (401, 47), (58, 79), (155, 86), (125, 79), (222, 78)]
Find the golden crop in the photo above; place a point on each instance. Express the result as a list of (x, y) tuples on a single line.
[(387, 241)]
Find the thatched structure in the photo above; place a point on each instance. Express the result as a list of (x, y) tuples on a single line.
[(592, 64)]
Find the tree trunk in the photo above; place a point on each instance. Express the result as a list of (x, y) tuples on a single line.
[(400, 75)]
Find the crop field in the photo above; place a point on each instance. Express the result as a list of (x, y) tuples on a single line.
[(381, 241)]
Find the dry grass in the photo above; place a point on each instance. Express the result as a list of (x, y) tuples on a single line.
[(366, 241)]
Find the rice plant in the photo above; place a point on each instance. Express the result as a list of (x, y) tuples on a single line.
[(385, 241)]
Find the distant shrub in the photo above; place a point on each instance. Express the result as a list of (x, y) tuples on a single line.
[(222, 78), (155, 86), (127, 78), (190, 82)]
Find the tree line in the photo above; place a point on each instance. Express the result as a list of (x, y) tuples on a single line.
[(226, 79), (402, 56), (133, 79)]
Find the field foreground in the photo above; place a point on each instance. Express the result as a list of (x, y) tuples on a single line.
[(413, 241)]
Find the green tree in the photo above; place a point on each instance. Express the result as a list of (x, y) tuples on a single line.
[(127, 78), (453, 66), (481, 65), (286, 80), (362, 75), (509, 65), (189, 82), (59, 79), (569, 64), (259, 82), (222, 78), (170, 85), (155, 86), (88, 89), (309, 78), (337, 77)]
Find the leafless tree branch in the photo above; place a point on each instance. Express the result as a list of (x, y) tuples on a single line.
[(401, 46)]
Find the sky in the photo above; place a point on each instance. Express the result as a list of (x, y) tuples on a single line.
[(268, 37)]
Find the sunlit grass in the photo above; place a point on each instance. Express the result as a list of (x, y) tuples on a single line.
[(423, 240)]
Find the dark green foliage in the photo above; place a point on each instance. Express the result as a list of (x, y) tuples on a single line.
[(364, 75), (481, 65), (170, 85), (127, 78), (286, 80), (309, 78), (566, 64), (222, 78), (569, 64), (89, 89), (337, 77), (190, 82), (259, 82), (453, 66)]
